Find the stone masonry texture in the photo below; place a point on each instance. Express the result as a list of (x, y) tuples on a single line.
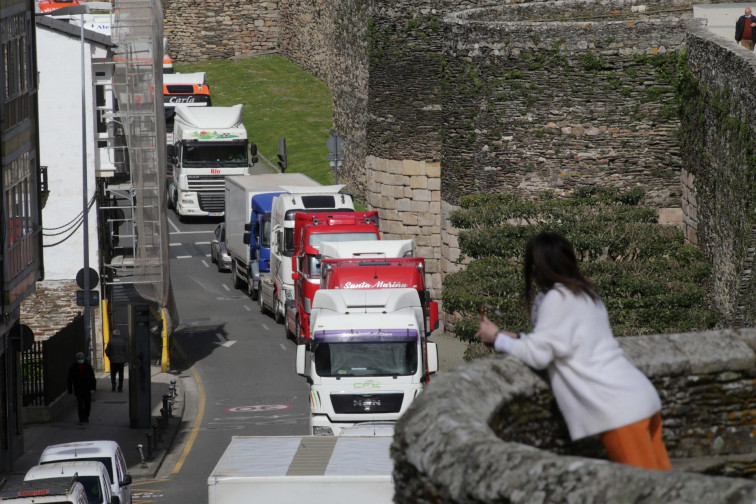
[(489, 431)]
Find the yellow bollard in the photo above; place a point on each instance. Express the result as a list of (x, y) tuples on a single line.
[(105, 335), (165, 360)]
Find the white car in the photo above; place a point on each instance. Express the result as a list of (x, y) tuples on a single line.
[(107, 452), (91, 474), (61, 490)]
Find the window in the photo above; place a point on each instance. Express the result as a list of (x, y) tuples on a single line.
[(18, 67)]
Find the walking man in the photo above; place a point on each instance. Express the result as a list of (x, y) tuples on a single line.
[(82, 383), (745, 29), (118, 354)]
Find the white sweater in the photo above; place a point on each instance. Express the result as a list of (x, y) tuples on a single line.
[(596, 387)]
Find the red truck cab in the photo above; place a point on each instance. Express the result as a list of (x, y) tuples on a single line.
[(310, 231)]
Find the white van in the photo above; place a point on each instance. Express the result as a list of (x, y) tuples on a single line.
[(61, 490), (107, 452), (91, 474)]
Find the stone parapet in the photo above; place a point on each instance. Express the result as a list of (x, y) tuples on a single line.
[(489, 431)]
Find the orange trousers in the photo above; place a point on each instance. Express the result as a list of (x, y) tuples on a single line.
[(639, 444)]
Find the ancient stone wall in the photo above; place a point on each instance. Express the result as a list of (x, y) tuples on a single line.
[(718, 142), (220, 29), (490, 431)]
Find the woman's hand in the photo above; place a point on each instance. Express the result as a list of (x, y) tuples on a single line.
[(487, 332)]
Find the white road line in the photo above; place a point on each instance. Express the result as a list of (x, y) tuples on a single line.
[(247, 308), (208, 255), (265, 327), (205, 263), (208, 231), (225, 287), (202, 243), (174, 244), (283, 347), (183, 257), (174, 226)]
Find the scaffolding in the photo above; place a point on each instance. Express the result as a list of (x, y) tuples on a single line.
[(132, 203)]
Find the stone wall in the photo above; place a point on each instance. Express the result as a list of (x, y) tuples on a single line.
[(220, 29), (490, 431), (719, 152), (52, 307)]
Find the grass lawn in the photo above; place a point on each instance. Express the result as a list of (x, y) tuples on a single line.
[(280, 101)]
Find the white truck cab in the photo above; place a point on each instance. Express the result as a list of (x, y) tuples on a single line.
[(368, 357), (59, 490), (278, 290), (92, 475), (105, 451)]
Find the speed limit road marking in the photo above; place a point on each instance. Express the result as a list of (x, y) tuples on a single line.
[(257, 408)]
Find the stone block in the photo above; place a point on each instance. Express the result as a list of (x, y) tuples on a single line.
[(433, 170), (419, 206), (423, 195), (670, 216), (434, 184), (395, 167), (409, 219), (411, 167), (419, 182), (405, 205)]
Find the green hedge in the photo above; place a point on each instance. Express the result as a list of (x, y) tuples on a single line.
[(649, 279)]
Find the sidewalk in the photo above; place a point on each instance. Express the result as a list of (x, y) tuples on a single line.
[(109, 419)]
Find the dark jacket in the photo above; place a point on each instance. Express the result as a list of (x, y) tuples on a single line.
[(740, 25), (117, 350), (81, 379)]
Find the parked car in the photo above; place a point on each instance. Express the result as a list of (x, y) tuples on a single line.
[(218, 252), (91, 474), (61, 490), (107, 452)]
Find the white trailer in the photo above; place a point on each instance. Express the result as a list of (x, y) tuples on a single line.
[(298, 469), (278, 289), (209, 144), (248, 201), (368, 356)]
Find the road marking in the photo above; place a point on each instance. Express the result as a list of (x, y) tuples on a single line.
[(223, 341), (247, 308), (174, 226), (209, 231), (226, 287), (184, 257), (174, 244), (208, 255), (197, 421), (205, 263), (258, 408), (265, 327), (282, 346), (202, 243)]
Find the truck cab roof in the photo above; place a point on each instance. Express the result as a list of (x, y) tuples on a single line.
[(91, 474), (349, 301), (59, 490), (367, 249)]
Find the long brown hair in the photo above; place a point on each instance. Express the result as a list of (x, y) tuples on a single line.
[(550, 259)]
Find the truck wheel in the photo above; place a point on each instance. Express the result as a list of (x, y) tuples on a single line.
[(169, 199), (235, 270), (289, 335), (299, 338), (279, 315), (263, 310)]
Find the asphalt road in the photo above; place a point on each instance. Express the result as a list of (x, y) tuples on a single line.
[(241, 362)]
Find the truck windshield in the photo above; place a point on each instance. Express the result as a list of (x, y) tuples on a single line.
[(366, 359), (215, 155)]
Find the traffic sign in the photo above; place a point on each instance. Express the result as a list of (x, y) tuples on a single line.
[(94, 279), (94, 298)]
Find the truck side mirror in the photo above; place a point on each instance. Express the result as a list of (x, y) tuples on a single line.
[(245, 238), (294, 264), (432, 353), (248, 226), (301, 359), (253, 154), (433, 315), (295, 275)]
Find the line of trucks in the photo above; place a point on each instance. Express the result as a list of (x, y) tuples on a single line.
[(357, 306)]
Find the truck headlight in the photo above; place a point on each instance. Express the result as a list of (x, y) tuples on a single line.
[(322, 431), (187, 201)]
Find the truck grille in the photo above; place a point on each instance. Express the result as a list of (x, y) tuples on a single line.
[(211, 201), (207, 183), (367, 403)]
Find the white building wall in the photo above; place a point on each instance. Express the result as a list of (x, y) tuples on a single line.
[(60, 142)]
